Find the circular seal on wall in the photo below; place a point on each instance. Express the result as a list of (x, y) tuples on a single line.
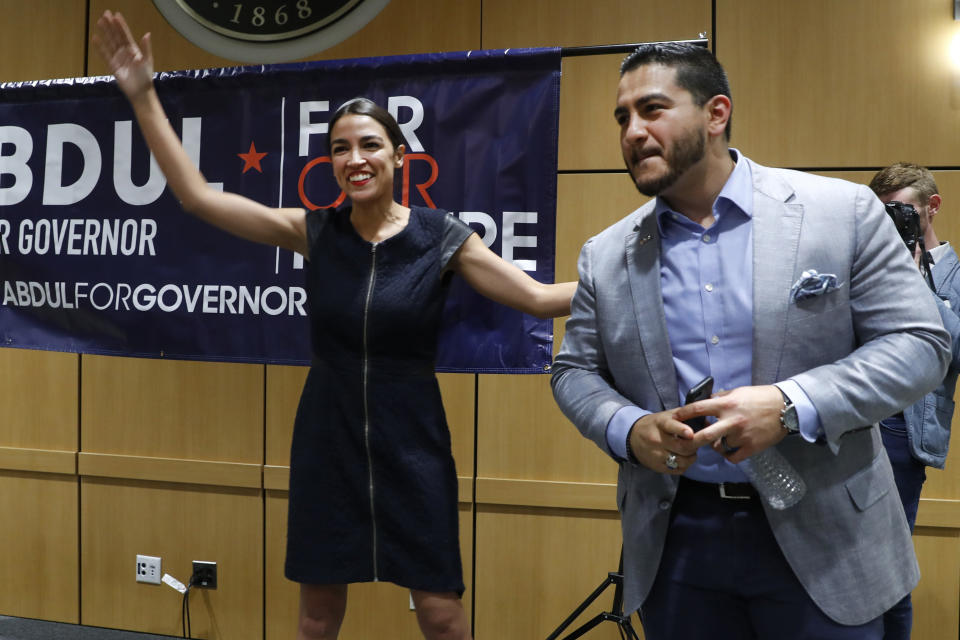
[(268, 30)]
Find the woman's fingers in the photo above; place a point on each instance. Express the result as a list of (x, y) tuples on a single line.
[(126, 35), (146, 46), (105, 39), (107, 32), (115, 36)]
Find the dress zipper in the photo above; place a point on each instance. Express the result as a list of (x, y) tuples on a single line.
[(366, 410)]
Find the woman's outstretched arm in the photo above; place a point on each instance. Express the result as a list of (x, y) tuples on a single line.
[(132, 66), (503, 282)]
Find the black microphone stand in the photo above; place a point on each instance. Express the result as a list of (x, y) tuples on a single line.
[(614, 615)]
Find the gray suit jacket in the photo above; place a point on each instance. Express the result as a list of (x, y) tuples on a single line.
[(847, 540)]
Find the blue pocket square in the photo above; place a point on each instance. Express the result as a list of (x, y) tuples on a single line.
[(813, 284)]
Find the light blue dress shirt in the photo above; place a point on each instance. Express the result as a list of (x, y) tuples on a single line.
[(705, 278)]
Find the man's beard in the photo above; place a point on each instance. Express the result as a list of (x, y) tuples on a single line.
[(683, 154)]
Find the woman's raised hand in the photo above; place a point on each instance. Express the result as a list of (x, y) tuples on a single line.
[(130, 64)]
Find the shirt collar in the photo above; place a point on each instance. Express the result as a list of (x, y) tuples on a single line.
[(736, 194), (937, 252)]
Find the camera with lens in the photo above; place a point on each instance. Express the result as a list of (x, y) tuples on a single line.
[(907, 220)]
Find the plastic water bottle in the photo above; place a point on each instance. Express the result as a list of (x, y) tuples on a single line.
[(774, 478)]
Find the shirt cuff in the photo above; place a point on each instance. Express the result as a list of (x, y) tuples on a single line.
[(807, 416), (618, 429)]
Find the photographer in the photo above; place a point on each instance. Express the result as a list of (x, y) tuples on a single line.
[(919, 436)]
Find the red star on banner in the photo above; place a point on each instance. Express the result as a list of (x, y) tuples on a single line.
[(252, 158)]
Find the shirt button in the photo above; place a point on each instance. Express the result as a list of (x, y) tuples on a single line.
[(707, 237), (664, 505), (708, 287), (714, 340)]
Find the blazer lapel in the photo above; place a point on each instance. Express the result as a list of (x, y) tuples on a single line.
[(642, 249), (776, 240)]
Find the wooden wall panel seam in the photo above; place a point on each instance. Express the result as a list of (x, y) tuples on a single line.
[(38, 460), (205, 472), (276, 477), (547, 493), (940, 513)]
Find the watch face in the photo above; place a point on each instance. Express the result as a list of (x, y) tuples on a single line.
[(268, 30), (266, 20), (789, 419)]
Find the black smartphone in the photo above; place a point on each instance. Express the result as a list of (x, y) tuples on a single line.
[(699, 391)]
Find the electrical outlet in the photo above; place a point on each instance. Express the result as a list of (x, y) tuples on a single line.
[(149, 569), (204, 574)]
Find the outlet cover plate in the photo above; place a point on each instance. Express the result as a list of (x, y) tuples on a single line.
[(205, 573), (149, 569)]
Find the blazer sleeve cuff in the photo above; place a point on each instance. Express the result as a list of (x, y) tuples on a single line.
[(618, 429)]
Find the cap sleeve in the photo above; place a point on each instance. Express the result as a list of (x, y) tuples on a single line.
[(455, 233), (316, 221)]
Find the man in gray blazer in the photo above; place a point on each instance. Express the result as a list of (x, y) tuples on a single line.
[(794, 293)]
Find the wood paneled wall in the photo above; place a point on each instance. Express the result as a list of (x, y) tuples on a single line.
[(103, 458)]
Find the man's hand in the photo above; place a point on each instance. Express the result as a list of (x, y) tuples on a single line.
[(658, 437), (748, 421)]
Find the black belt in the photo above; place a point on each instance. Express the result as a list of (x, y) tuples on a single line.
[(722, 490)]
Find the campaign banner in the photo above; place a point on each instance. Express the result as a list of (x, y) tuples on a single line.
[(96, 255)]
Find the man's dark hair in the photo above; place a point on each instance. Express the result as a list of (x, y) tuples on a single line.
[(698, 70)]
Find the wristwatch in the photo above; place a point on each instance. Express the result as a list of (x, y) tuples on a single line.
[(788, 415)]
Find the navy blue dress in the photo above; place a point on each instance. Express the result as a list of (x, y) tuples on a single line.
[(373, 489)]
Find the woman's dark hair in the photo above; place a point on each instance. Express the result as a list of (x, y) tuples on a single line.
[(366, 107)]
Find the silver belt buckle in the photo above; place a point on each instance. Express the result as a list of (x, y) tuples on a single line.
[(723, 493)]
